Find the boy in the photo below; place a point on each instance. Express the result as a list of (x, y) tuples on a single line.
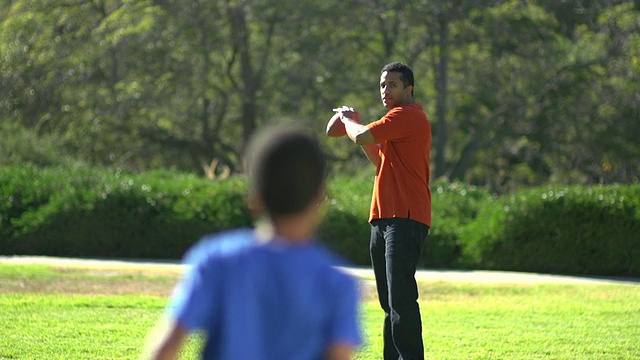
[(271, 292)]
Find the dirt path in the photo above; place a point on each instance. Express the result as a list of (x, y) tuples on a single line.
[(471, 276)]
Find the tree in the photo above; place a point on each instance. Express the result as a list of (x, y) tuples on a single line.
[(519, 92)]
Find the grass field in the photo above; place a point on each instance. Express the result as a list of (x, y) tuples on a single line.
[(74, 313)]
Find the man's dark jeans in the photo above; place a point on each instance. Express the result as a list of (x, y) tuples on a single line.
[(396, 245)]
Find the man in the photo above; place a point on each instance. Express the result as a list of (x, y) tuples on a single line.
[(399, 146), (272, 292)]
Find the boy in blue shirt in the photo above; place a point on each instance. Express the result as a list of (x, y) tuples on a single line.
[(269, 292)]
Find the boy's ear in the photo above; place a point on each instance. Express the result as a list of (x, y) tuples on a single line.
[(322, 196), (255, 205)]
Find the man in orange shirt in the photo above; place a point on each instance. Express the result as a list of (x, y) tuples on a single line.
[(398, 145)]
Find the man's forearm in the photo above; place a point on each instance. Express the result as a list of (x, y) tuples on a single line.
[(358, 133), (372, 152), (361, 135)]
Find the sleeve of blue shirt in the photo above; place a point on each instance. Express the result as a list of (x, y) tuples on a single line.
[(345, 326), (194, 302)]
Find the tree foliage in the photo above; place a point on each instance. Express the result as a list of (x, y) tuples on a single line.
[(518, 92)]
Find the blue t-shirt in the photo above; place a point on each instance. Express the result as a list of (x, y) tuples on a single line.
[(273, 300)]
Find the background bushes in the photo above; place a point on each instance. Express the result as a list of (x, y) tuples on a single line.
[(591, 230), (345, 228), (111, 214), (454, 206)]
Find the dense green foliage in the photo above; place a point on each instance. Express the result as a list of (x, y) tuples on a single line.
[(519, 93), (345, 228), (589, 230), (103, 213), (454, 206), (177, 84), (578, 229)]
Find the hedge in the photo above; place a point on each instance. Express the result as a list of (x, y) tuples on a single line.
[(97, 213), (345, 228), (105, 213), (589, 230), (101, 213), (454, 206)]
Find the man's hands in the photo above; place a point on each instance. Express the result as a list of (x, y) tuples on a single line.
[(335, 126), (357, 132), (347, 114), (344, 115)]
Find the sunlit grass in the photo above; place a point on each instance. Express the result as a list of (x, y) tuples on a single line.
[(461, 321)]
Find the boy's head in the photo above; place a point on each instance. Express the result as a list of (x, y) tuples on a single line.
[(286, 169)]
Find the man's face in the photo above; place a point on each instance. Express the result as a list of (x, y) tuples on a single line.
[(392, 90)]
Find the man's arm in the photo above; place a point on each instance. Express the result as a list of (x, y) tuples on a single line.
[(371, 151), (172, 337), (360, 134)]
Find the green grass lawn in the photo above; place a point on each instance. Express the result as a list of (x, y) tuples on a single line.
[(73, 313)]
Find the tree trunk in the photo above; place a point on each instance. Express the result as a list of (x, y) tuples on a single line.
[(441, 69), (250, 82)]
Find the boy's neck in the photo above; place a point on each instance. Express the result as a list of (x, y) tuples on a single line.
[(296, 229)]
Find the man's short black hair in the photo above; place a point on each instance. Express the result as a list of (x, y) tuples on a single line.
[(286, 169), (403, 69)]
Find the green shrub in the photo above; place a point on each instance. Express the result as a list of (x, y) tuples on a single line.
[(347, 231), (103, 213), (22, 189), (454, 205), (345, 228), (577, 230), (20, 145), (106, 213)]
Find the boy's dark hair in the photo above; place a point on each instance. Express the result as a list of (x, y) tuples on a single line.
[(286, 169), (404, 70)]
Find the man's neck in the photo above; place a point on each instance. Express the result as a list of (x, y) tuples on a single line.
[(409, 102)]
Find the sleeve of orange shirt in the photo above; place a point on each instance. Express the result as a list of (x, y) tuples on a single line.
[(394, 125)]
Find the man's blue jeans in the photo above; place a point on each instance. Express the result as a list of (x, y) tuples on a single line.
[(396, 245)]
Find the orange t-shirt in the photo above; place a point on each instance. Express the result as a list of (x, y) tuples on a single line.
[(401, 186)]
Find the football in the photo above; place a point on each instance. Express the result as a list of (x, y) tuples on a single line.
[(335, 127)]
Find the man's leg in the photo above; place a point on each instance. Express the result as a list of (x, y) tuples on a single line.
[(404, 240), (377, 250)]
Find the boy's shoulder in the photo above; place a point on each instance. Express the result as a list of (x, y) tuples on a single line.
[(220, 245)]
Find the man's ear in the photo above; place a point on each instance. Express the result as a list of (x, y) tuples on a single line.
[(410, 89)]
